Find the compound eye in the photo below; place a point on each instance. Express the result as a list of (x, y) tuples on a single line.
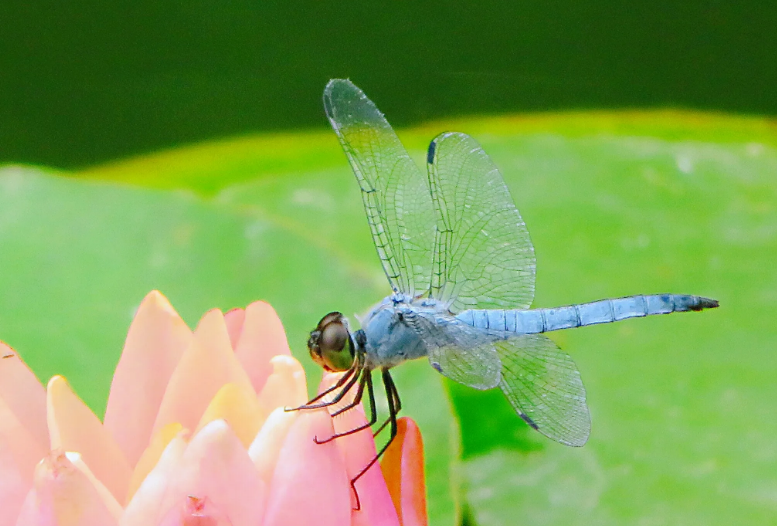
[(330, 344), (333, 338)]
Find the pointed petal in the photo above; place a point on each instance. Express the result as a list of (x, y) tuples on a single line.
[(204, 368), (309, 485), (73, 427), (359, 450), (150, 457), (63, 495), (217, 466), (285, 387), (403, 468), (111, 504), (266, 447), (262, 338), (235, 320), (23, 394), (238, 406), (145, 506), (156, 340)]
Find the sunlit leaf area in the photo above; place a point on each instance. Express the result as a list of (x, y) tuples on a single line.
[(617, 203)]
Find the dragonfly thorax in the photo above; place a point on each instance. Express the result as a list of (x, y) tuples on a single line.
[(389, 337)]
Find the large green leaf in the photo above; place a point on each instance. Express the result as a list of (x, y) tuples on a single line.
[(682, 406), (78, 256)]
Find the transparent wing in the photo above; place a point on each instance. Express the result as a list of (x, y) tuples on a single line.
[(457, 350), (482, 257), (395, 193), (543, 385)]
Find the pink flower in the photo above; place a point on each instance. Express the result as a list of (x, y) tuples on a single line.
[(195, 433)]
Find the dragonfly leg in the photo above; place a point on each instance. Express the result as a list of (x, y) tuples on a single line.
[(349, 379), (388, 383), (397, 403), (366, 379)]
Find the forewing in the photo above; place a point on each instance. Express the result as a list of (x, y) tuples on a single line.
[(483, 257), (395, 193), (543, 385), (457, 350)]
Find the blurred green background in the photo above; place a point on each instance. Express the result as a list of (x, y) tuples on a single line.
[(183, 147)]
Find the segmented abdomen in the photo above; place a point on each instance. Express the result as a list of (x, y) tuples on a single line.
[(603, 311)]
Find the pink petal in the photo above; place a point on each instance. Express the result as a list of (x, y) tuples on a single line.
[(359, 449), (403, 467), (73, 427), (23, 394), (234, 320), (107, 498), (195, 511), (156, 340), (266, 447), (14, 485), (25, 450), (285, 387), (145, 507), (150, 457), (262, 338), (216, 465), (376, 507), (203, 370), (310, 484), (63, 495)]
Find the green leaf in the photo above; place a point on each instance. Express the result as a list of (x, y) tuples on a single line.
[(79, 256), (617, 204)]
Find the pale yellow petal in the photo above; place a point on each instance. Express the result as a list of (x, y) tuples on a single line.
[(239, 407), (145, 506), (151, 455), (266, 446), (285, 387)]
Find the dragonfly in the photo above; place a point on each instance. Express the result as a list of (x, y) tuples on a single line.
[(461, 267)]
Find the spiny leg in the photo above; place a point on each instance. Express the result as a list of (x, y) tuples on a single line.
[(339, 396), (348, 377), (388, 383), (366, 379), (344, 378)]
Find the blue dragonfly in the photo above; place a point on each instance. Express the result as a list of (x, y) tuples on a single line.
[(461, 267)]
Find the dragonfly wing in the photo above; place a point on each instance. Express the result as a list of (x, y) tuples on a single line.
[(458, 351), (543, 385), (395, 193), (482, 256)]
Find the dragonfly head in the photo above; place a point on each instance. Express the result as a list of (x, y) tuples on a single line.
[(330, 344)]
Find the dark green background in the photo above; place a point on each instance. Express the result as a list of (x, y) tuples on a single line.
[(616, 202), (83, 82)]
